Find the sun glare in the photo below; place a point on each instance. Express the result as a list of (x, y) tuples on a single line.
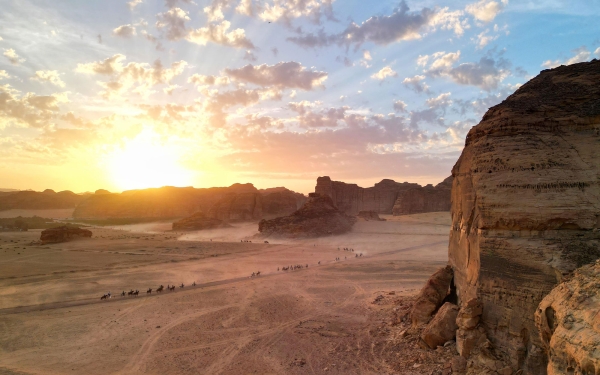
[(145, 162)]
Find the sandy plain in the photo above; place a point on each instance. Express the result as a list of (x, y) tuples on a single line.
[(321, 319)]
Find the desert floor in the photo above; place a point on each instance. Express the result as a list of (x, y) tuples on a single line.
[(323, 318)]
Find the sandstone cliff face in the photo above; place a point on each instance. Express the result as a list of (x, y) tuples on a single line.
[(238, 202), (424, 199), (318, 217), (569, 324), (48, 199), (526, 204), (351, 198), (280, 202), (199, 221)]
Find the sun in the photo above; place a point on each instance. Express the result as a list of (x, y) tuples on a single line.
[(146, 162)]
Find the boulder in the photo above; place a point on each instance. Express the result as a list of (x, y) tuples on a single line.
[(469, 314), (432, 295), (199, 221), (318, 217), (568, 321), (442, 327), (526, 203), (62, 234)]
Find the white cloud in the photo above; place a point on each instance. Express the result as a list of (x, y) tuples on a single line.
[(581, 54), (173, 21), (416, 83), (485, 10), (133, 3), (28, 110), (200, 80), (367, 55), (12, 56), (217, 33), (287, 10), (447, 20), (384, 73), (399, 106), (443, 60), (4, 75), (51, 76), (284, 74), (441, 101), (597, 52), (124, 31)]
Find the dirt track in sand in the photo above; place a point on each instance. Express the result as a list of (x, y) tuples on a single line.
[(315, 320)]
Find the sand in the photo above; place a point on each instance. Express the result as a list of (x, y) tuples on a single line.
[(319, 319)]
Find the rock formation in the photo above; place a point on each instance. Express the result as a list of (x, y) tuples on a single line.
[(369, 216), (62, 234), (568, 322), (199, 221), (424, 199), (318, 217), (34, 200), (280, 201), (526, 204), (238, 202), (442, 327), (431, 296), (381, 198)]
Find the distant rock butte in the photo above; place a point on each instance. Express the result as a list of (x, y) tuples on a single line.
[(317, 217), (526, 207), (424, 199), (63, 234), (199, 221), (382, 198), (33, 200), (238, 202)]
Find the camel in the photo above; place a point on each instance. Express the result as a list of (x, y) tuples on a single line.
[(266, 241), (181, 286), (194, 283), (258, 273), (136, 293), (159, 289), (104, 297), (149, 291), (172, 288), (130, 293)]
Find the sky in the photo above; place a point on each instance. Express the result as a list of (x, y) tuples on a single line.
[(124, 94)]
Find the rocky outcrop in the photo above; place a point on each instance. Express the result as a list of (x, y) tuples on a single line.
[(526, 204), (199, 221), (280, 201), (351, 198), (369, 216), (442, 327), (62, 234), (318, 217), (431, 296), (34, 200), (424, 199), (569, 324), (238, 202)]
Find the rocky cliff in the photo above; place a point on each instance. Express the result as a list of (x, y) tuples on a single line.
[(424, 199), (317, 217), (34, 200), (199, 221), (381, 198), (526, 204), (238, 202)]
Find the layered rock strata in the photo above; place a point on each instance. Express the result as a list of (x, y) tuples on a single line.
[(62, 234), (568, 321), (318, 217), (526, 204), (428, 198)]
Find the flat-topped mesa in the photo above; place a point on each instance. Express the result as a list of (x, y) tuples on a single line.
[(381, 198), (526, 204), (428, 198)]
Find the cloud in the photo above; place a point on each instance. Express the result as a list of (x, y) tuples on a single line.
[(324, 118), (139, 77), (28, 110), (284, 74), (246, 8), (416, 83), (441, 101), (275, 51), (199, 80), (133, 3), (249, 56), (214, 12), (4, 75), (485, 74), (384, 73), (581, 54), (367, 55), (12, 56), (173, 3), (399, 106), (287, 10), (383, 30), (51, 76), (173, 21), (124, 31), (217, 33), (486, 10)]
